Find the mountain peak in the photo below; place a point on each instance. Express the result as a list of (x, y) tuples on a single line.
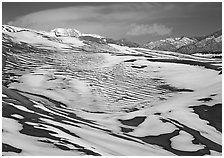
[(71, 32), (66, 32)]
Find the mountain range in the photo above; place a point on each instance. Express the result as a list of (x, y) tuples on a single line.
[(188, 45), (205, 44), (211, 43)]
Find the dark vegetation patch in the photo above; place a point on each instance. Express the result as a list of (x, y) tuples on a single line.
[(213, 114), (173, 89), (9, 148), (133, 122)]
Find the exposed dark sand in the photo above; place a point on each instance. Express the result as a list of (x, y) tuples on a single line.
[(189, 62), (133, 122), (9, 148), (126, 130), (209, 144), (23, 100), (139, 67), (163, 140), (131, 60), (35, 118), (174, 89), (205, 99), (212, 114)]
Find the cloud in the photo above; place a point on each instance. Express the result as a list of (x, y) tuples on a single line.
[(110, 20), (106, 14), (143, 29), (113, 19), (48, 18)]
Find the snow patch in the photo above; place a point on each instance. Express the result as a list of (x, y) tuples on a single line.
[(17, 116), (183, 142)]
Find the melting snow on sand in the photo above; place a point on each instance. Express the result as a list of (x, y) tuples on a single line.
[(103, 135)]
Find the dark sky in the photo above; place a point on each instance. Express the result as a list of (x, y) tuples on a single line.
[(139, 22), (11, 10)]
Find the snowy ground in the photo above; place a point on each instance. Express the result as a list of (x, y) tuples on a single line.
[(110, 104)]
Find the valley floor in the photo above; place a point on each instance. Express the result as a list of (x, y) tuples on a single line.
[(103, 104)]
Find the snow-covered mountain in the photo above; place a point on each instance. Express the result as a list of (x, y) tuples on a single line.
[(122, 42), (189, 45), (68, 32), (69, 93), (62, 32), (171, 44), (209, 44)]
